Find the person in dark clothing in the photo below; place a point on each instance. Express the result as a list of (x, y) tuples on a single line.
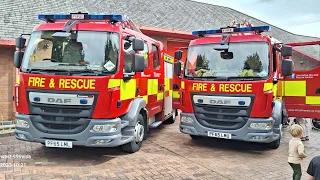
[(73, 53), (314, 169)]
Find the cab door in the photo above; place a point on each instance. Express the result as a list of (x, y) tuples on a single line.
[(176, 79), (302, 88), (168, 86)]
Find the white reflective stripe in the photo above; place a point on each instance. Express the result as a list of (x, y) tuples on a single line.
[(221, 100), (61, 99)]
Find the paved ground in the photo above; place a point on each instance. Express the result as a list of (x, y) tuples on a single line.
[(167, 154)]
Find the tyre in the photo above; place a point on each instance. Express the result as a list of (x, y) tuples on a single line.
[(139, 134), (316, 123), (172, 119), (195, 137), (275, 144)]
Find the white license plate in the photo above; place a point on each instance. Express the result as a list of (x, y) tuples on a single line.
[(77, 16), (227, 30), (58, 144), (219, 135)]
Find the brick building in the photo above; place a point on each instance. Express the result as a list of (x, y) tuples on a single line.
[(169, 21)]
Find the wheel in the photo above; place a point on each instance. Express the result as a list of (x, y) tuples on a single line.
[(285, 120), (275, 144), (316, 123), (139, 133), (195, 137), (172, 119)]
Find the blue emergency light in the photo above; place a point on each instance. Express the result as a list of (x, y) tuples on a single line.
[(232, 30), (81, 16)]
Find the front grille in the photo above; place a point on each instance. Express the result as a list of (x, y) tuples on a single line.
[(222, 117), (70, 111), (61, 119), (65, 119), (49, 110), (60, 126)]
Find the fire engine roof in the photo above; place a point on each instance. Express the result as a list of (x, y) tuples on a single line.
[(20, 16)]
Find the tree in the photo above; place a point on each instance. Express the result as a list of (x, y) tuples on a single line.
[(111, 52), (202, 62), (253, 62)]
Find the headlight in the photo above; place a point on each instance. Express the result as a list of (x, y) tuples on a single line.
[(106, 128), (22, 123), (261, 126), (186, 119)]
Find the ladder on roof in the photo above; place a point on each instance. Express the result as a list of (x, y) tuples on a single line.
[(130, 25)]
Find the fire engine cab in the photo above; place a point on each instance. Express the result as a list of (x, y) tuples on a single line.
[(91, 80), (231, 85)]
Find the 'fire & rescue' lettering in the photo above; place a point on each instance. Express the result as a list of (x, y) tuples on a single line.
[(240, 88), (62, 83), (235, 88)]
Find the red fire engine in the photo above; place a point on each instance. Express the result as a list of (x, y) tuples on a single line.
[(301, 89), (91, 80), (231, 85), (177, 81)]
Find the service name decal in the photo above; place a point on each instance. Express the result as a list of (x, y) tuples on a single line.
[(243, 88), (62, 83)]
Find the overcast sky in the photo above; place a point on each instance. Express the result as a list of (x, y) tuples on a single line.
[(297, 16)]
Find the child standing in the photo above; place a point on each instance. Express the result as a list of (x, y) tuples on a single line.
[(296, 151)]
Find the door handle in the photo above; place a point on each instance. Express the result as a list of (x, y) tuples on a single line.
[(318, 91), (161, 88), (176, 87)]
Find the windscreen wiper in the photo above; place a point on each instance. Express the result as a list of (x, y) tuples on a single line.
[(210, 78), (236, 78), (42, 71), (88, 72), (217, 78), (71, 64), (49, 59)]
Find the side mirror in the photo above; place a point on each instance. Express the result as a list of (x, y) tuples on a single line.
[(226, 55), (177, 68), (287, 67), (286, 51), (137, 44), (178, 55), (20, 42), (138, 63), (18, 55)]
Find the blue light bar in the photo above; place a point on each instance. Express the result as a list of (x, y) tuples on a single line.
[(232, 30), (81, 16)]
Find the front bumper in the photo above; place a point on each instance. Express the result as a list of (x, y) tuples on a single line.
[(123, 135), (243, 134)]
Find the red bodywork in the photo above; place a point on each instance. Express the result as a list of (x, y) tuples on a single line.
[(176, 79), (296, 105), (106, 106), (262, 106)]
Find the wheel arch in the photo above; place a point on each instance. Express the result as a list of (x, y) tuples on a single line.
[(138, 106), (277, 112)]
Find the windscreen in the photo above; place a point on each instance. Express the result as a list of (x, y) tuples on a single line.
[(250, 59), (81, 51)]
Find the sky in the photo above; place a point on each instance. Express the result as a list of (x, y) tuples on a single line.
[(296, 16)]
